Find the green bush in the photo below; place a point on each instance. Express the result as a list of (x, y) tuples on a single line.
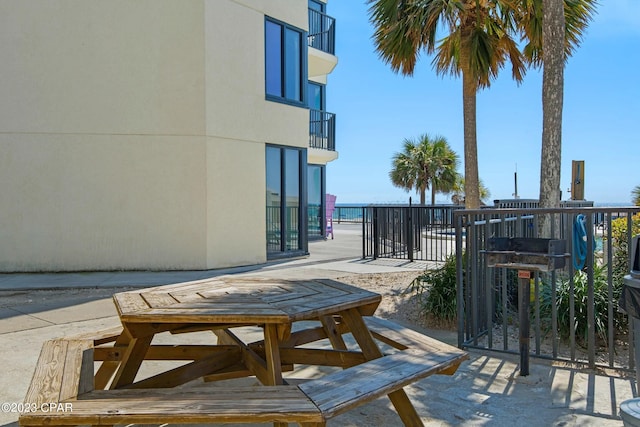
[(580, 292), (620, 246), (437, 290)]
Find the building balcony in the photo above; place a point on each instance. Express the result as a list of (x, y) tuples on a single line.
[(322, 130), (322, 32), (322, 44), (322, 137)]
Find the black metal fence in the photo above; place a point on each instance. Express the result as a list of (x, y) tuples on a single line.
[(574, 310), (414, 233)]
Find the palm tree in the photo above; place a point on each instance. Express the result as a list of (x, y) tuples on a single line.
[(554, 27), (425, 162), (458, 197), (635, 195), (478, 44)]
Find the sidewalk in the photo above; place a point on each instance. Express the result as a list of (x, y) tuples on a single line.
[(485, 391)]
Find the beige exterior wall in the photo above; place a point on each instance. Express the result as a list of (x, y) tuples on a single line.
[(101, 202), (132, 133)]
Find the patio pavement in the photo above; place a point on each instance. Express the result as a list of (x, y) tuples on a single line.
[(485, 391)]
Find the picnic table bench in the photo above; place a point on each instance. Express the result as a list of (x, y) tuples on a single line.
[(65, 378)]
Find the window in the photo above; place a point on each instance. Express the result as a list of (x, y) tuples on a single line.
[(316, 95), (315, 203), (285, 63), (286, 202), (316, 5)]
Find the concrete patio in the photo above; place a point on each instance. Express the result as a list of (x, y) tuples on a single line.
[(486, 391)]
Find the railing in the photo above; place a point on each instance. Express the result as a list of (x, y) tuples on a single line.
[(535, 203), (322, 31), (322, 130), (416, 233), (350, 214), (574, 311)]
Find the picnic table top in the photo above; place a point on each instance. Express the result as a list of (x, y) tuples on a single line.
[(231, 300)]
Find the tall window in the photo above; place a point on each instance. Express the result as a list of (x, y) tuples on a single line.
[(286, 202), (315, 201), (285, 63)]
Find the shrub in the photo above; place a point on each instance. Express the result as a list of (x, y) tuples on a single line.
[(580, 292), (620, 246), (437, 290)]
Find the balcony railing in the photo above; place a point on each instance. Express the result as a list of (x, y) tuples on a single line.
[(322, 130), (322, 31)]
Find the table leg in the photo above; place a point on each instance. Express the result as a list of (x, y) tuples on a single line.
[(370, 349), (131, 361), (330, 327), (106, 369), (272, 355)]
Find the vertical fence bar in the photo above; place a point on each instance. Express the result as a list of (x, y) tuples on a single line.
[(460, 278), (632, 325), (610, 307), (489, 278), (376, 235), (472, 240), (409, 229), (572, 298), (554, 315), (536, 308), (590, 298), (364, 233)]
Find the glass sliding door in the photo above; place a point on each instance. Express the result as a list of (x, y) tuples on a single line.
[(292, 203), (315, 192), (274, 199), (286, 203)]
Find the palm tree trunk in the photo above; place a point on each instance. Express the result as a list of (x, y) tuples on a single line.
[(433, 194), (553, 29), (471, 180)]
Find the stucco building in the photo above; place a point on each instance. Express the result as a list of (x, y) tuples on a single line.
[(162, 134)]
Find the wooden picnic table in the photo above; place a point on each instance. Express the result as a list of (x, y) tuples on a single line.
[(221, 304), (226, 306)]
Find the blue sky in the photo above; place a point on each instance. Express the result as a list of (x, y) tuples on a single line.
[(377, 109)]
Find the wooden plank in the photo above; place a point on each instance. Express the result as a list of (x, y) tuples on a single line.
[(158, 299), (129, 302), (99, 337), (78, 369), (305, 336), (174, 406), (320, 357), (47, 377), (162, 352), (190, 371), (314, 308), (402, 338), (207, 327), (238, 370), (210, 314), (398, 397), (341, 391)]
